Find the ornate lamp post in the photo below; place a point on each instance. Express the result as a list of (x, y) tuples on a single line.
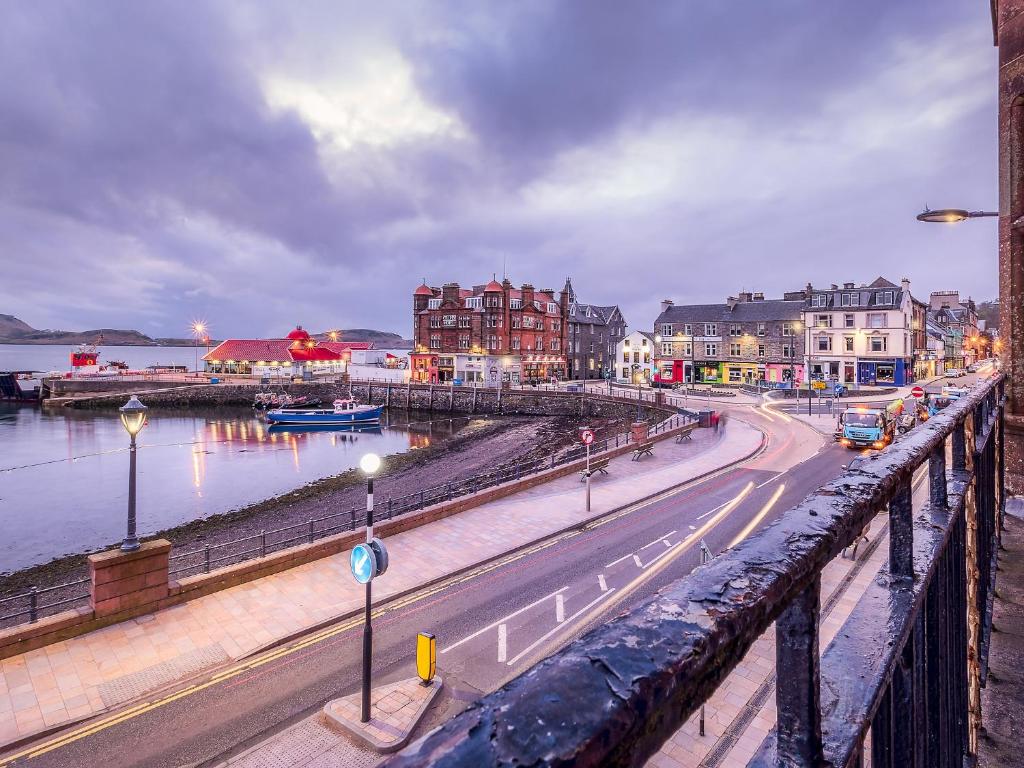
[(370, 464), (133, 416)]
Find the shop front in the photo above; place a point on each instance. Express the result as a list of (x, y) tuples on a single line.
[(835, 370), (501, 369), (542, 368), (743, 373), (780, 373), (424, 367), (885, 372), (709, 372)]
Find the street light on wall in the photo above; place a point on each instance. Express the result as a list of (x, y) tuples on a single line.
[(951, 215), (133, 417)]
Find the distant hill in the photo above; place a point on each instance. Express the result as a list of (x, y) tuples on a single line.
[(987, 311), (15, 331), (380, 339)]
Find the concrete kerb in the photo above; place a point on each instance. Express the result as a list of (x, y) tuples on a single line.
[(326, 623)]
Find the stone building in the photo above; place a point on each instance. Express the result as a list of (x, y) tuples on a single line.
[(489, 334), (634, 359), (746, 339), (594, 332)]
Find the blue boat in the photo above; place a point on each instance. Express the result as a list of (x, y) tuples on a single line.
[(343, 412)]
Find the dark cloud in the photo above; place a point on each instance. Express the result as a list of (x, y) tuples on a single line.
[(671, 148)]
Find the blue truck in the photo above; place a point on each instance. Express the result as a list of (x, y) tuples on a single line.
[(864, 427)]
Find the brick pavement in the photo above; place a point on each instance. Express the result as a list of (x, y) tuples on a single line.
[(83, 676)]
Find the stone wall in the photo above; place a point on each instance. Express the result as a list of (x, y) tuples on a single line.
[(419, 397)]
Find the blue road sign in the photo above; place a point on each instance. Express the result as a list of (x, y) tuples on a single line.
[(363, 562)]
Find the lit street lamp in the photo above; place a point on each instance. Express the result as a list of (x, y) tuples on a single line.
[(133, 416), (369, 463), (198, 329), (951, 215)]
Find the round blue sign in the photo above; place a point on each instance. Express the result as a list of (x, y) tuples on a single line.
[(363, 563)]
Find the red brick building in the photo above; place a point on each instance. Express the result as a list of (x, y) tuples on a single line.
[(488, 334)]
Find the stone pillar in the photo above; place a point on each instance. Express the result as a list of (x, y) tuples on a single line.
[(1009, 25), (126, 581)]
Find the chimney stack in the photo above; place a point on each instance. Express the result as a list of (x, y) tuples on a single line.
[(847, 285), (450, 293), (732, 301), (527, 291), (665, 304), (745, 296), (758, 296)]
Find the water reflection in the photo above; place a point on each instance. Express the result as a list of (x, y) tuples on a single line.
[(63, 473)]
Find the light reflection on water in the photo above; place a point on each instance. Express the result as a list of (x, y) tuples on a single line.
[(63, 473)]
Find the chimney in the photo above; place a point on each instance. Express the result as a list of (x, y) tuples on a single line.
[(808, 289), (665, 304), (745, 296), (450, 293), (527, 290), (847, 285), (758, 296), (732, 301), (835, 287), (905, 282)]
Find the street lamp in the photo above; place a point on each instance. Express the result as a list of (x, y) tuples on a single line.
[(951, 215), (133, 417), (198, 329), (369, 463)]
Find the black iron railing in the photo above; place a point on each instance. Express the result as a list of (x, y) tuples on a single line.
[(900, 682), (36, 603), (266, 542)]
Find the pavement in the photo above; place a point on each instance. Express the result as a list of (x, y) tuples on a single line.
[(105, 670)]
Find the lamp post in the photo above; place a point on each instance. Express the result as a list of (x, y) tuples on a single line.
[(951, 215), (369, 463), (198, 329), (133, 417)]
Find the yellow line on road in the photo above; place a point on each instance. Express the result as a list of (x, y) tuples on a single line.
[(758, 517)]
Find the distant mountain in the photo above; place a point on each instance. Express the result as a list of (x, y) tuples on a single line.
[(11, 326), (380, 339), (987, 311)]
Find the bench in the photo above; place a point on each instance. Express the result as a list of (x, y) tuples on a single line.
[(597, 465), (686, 434), (644, 449)]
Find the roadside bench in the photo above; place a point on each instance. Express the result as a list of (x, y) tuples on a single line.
[(686, 433), (597, 465), (644, 449)]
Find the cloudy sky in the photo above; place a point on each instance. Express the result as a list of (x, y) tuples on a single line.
[(265, 164)]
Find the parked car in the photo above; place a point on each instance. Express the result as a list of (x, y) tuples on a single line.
[(955, 373)]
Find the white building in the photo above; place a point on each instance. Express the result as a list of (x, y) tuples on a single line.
[(860, 334), (634, 358)]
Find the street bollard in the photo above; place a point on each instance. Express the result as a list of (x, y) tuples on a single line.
[(33, 606), (206, 558)]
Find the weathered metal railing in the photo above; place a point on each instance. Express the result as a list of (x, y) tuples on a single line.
[(36, 603), (900, 681)]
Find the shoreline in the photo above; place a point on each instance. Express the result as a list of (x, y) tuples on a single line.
[(505, 441)]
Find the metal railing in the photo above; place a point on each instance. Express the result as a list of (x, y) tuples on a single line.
[(33, 604), (900, 682), (267, 542)]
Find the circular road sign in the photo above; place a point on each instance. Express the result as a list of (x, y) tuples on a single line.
[(586, 436), (917, 392), (363, 562)]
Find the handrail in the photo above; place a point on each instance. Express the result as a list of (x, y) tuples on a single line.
[(616, 694)]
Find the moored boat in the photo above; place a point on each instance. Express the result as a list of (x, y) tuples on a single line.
[(343, 412)]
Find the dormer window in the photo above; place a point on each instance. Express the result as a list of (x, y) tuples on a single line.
[(516, 304)]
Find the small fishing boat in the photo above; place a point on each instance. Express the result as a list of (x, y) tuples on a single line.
[(343, 412)]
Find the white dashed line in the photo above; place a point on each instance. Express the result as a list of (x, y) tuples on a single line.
[(559, 608), (602, 583), (503, 642)]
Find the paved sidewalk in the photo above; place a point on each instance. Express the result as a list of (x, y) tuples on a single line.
[(87, 675)]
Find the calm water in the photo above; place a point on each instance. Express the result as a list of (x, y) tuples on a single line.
[(63, 474), (57, 357)]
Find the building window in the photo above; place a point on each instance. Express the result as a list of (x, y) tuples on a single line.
[(434, 304), (539, 324), (625, 357), (463, 342), (552, 308), (710, 350), (884, 297), (688, 349), (666, 329), (449, 321), (851, 299), (734, 350), (761, 329), (823, 321), (435, 321), (762, 351), (556, 325), (435, 342), (710, 329), (555, 345), (848, 343), (647, 357), (787, 329), (735, 330), (516, 341), (824, 343), (848, 321), (787, 350), (465, 321), (878, 343), (688, 330), (515, 303), (876, 320), (492, 342), (516, 321), (819, 300), (493, 301), (539, 346)]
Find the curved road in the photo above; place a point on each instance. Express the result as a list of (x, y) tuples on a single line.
[(491, 623)]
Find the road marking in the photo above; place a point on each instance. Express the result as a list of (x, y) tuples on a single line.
[(731, 503), (602, 583), (756, 519), (250, 664), (771, 479), (502, 620), (660, 538), (552, 631), (559, 608), (502, 643), (636, 559), (666, 542)]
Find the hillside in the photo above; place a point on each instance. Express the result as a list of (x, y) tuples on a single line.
[(10, 326), (380, 339)]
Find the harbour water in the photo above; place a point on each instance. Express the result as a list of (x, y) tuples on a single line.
[(56, 357), (63, 472)]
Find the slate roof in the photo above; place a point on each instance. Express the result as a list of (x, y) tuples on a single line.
[(767, 310), (599, 315)]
